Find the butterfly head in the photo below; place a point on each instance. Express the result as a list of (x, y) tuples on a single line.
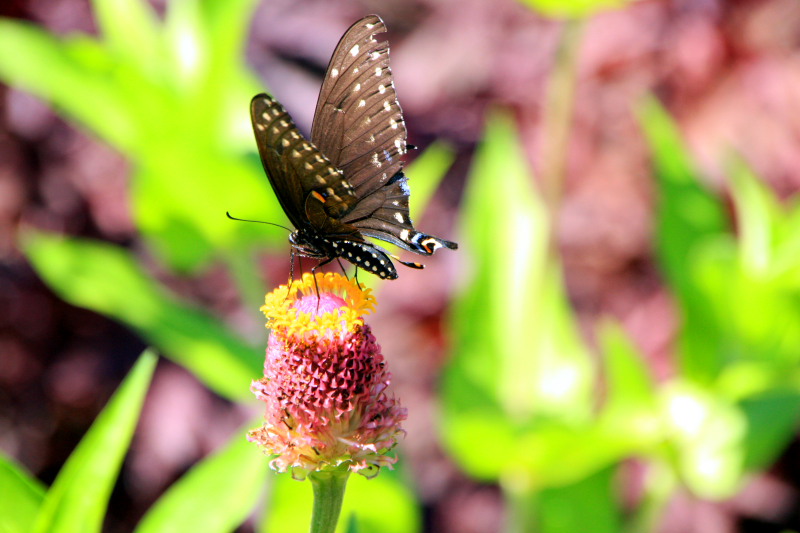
[(308, 244)]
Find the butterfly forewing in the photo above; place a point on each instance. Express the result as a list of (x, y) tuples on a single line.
[(358, 122), (299, 172)]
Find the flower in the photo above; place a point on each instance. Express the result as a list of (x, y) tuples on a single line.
[(325, 381)]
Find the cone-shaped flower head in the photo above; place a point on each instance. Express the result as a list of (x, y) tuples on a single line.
[(325, 381)]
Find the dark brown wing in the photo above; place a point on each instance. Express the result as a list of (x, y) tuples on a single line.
[(384, 215), (300, 174), (358, 122)]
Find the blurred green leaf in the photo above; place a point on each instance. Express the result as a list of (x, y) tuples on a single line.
[(772, 420), (594, 496), (217, 494), (78, 498), (518, 357), (171, 96), (689, 216), (186, 225), (106, 279), (21, 496), (628, 380), (74, 75), (130, 28), (707, 433), (382, 504), (687, 212), (573, 8), (426, 173), (631, 400), (757, 214)]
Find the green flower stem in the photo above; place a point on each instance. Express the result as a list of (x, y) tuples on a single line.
[(558, 116), (328, 496), (523, 505)]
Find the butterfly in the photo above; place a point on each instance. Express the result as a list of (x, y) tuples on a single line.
[(347, 182)]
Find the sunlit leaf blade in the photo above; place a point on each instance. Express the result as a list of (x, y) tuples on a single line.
[(106, 279), (382, 504), (172, 213), (757, 213), (596, 498), (131, 30), (573, 8), (75, 75), (630, 406), (425, 174), (627, 379), (688, 217), (706, 433), (21, 496), (217, 494), (517, 354), (78, 498), (772, 420), (688, 213)]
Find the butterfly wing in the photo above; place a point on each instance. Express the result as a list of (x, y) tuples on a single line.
[(359, 125), (311, 190), (358, 122)]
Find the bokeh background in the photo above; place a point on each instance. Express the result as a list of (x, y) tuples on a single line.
[(614, 346)]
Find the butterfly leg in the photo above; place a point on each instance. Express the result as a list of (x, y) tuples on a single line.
[(344, 271), (314, 275)]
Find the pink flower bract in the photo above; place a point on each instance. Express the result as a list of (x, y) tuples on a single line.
[(325, 382)]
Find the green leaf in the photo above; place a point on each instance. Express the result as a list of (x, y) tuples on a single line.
[(687, 213), (183, 217), (74, 75), (689, 217), (518, 356), (382, 503), (707, 434), (106, 279), (772, 420), (217, 494), (631, 405), (78, 498), (573, 8), (21, 496), (131, 31), (595, 497), (425, 175), (628, 380), (757, 213)]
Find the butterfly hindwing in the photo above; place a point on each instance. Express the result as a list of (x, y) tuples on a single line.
[(384, 215)]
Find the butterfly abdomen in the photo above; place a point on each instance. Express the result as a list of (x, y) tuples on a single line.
[(366, 257)]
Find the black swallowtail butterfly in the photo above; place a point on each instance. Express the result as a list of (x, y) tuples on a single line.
[(347, 183)]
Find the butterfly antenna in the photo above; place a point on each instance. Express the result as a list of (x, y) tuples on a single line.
[(256, 221)]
